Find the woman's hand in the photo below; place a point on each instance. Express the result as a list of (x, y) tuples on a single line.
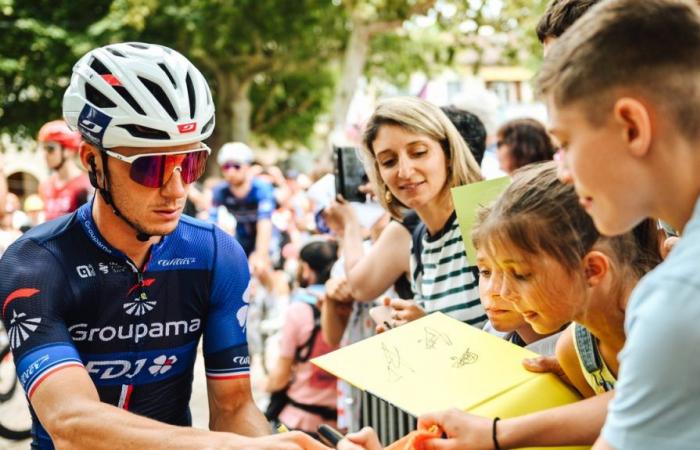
[(338, 289), (404, 311), (341, 213)]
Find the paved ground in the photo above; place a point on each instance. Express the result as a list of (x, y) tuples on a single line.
[(198, 405)]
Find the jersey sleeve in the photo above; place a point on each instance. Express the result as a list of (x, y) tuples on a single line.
[(225, 343), (33, 288), (266, 200)]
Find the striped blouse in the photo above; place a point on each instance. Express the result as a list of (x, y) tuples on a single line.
[(447, 282)]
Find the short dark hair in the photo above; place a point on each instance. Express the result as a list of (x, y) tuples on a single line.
[(647, 48), (320, 256), (527, 141), (470, 127), (559, 16)]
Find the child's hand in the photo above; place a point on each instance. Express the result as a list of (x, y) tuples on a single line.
[(546, 364)]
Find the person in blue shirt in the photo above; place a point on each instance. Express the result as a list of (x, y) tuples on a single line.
[(105, 307), (249, 199)]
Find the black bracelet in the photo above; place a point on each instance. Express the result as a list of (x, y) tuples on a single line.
[(493, 434)]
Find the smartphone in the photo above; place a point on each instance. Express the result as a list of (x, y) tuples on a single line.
[(349, 174), (381, 314)]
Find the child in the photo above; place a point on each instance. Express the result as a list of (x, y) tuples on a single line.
[(623, 91)]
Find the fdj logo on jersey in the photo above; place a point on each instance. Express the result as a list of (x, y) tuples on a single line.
[(111, 370)]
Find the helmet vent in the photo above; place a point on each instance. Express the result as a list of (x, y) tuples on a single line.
[(208, 125), (140, 131), (141, 46), (121, 90), (115, 52), (97, 98), (98, 67), (167, 72), (159, 94), (190, 95)]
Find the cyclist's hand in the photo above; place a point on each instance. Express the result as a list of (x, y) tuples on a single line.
[(293, 440), (365, 439)]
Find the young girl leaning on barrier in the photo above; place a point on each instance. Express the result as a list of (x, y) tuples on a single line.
[(554, 267)]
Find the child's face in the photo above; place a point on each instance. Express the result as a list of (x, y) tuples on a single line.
[(500, 311), (597, 161), (539, 287)]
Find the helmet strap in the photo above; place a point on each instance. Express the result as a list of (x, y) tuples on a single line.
[(141, 235)]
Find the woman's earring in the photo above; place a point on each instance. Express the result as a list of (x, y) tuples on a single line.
[(388, 197)]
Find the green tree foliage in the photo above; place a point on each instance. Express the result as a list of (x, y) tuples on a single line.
[(41, 40)]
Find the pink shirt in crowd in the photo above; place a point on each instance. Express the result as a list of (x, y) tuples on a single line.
[(310, 385)]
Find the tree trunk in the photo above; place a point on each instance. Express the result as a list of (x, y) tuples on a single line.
[(241, 109), (353, 64)]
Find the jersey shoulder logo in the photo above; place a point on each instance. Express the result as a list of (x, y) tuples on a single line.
[(20, 327)]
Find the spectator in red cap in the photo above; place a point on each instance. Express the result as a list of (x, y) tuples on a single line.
[(68, 187)]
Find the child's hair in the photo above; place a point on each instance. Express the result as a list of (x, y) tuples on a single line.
[(527, 141), (647, 48), (320, 256), (559, 16), (537, 213), (420, 117)]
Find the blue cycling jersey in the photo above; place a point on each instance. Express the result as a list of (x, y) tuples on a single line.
[(71, 299), (258, 204)]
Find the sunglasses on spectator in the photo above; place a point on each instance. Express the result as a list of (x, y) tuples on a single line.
[(231, 165), (153, 170)]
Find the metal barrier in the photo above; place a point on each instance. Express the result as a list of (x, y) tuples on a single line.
[(390, 422)]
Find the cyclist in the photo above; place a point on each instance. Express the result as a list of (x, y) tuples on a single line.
[(105, 307), (68, 187), (249, 199)]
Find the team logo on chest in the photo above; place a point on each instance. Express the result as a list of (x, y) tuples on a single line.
[(138, 303)]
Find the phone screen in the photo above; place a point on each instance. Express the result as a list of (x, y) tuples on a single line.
[(349, 174)]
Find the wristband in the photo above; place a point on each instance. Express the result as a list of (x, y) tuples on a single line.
[(493, 434)]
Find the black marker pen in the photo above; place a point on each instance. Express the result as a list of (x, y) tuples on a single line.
[(329, 434)]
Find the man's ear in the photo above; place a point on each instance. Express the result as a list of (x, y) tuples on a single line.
[(89, 157), (596, 266), (634, 118)]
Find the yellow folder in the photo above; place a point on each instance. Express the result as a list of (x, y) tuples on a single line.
[(467, 200), (437, 363)]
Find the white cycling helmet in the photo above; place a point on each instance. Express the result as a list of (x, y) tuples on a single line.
[(237, 152), (138, 95)]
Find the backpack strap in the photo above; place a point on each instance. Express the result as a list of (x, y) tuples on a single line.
[(303, 352), (590, 356)]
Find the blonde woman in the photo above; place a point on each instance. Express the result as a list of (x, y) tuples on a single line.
[(413, 156)]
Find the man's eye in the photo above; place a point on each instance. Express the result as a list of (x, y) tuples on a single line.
[(485, 273)]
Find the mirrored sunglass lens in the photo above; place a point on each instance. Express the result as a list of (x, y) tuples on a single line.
[(149, 170), (193, 166)]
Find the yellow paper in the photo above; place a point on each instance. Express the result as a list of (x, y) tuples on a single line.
[(468, 200), (436, 363)]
